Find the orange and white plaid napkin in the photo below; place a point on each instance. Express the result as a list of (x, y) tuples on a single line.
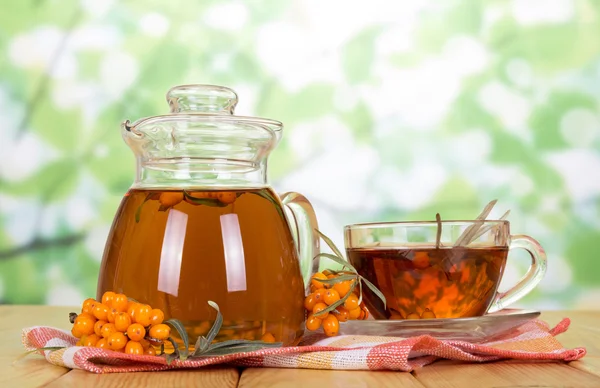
[(533, 340)]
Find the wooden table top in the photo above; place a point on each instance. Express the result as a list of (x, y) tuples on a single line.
[(34, 371)]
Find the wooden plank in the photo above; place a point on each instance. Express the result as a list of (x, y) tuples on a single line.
[(33, 370), (588, 364), (274, 377), (209, 377), (451, 374)]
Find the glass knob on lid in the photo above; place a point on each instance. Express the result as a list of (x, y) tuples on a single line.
[(202, 99)]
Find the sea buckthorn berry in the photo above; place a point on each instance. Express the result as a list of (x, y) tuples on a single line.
[(226, 197), (160, 332), (170, 198), (396, 315), (120, 303), (317, 284), (142, 314), (331, 326), (122, 322), (79, 343), (136, 332), (90, 315), (84, 325), (102, 343), (97, 327), (309, 302), (354, 314), (107, 330), (326, 272), (318, 308), (145, 343), (76, 333), (351, 302), (101, 312), (313, 323), (88, 305), (112, 314), (134, 347), (331, 296), (107, 298), (117, 340), (131, 309), (267, 337), (90, 340), (420, 260), (428, 314), (413, 316), (156, 316), (149, 351), (342, 314), (343, 287), (320, 295)]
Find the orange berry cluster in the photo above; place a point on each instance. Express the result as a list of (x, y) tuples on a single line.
[(324, 295), (116, 323)]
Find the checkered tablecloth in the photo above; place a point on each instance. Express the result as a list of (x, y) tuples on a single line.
[(534, 340)]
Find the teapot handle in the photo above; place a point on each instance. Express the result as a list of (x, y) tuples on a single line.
[(303, 223)]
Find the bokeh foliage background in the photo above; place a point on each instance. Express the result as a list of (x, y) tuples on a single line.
[(393, 111)]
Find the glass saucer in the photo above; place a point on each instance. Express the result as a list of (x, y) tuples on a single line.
[(475, 329)]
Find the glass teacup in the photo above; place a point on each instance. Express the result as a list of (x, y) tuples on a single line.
[(449, 269)]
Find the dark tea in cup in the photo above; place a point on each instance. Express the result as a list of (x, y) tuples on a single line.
[(425, 272)]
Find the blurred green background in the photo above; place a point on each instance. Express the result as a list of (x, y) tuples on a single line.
[(392, 111)]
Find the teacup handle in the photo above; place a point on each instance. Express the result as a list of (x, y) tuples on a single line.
[(531, 279), (303, 223)]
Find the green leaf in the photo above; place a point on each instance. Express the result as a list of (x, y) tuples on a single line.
[(375, 290), (337, 260), (233, 343), (201, 345), (247, 346), (183, 334), (330, 244), (337, 279), (214, 330), (170, 358)]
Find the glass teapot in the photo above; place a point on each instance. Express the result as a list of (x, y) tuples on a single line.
[(200, 223)]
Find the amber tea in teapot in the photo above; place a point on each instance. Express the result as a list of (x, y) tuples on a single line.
[(201, 223)]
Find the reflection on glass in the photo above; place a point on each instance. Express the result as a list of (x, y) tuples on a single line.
[(235, 265), (171, 253)]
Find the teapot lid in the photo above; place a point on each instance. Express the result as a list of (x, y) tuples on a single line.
[(201, 102)]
